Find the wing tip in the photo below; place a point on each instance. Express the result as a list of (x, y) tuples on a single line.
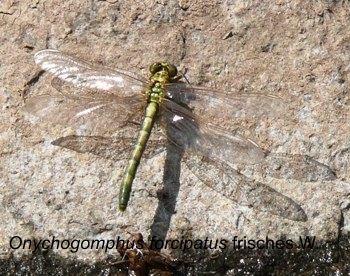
[(38, 57)]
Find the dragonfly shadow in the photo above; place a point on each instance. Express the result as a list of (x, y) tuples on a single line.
[(291, 166), (232, 183), (118, 149), (168, 195)]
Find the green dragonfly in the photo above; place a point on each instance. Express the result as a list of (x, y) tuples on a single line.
[(112, 103)]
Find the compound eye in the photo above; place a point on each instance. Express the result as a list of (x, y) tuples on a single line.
[(155, 67), (172, 70)]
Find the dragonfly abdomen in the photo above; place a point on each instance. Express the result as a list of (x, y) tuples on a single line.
[(130, 172), (162, 75)]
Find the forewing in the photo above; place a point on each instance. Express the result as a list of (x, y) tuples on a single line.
[(220, 107), (235, 186), (83, 74), (102, 102)]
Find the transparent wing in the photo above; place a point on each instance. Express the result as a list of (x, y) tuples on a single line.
[(86, 115), (202, 137), (112, 98), (208, 149), (235, 186), (216, 175), (207, 119), (83, 74), (114, 148), (218, 106)]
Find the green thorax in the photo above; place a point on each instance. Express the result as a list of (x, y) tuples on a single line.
[(162, 74)]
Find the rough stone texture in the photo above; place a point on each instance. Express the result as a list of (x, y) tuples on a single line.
[(298, 50)]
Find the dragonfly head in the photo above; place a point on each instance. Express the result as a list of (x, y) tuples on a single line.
[(163, 66)]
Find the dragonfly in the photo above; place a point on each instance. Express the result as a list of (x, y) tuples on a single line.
[(122, 109)]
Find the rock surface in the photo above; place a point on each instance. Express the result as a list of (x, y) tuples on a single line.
[(294, 50)]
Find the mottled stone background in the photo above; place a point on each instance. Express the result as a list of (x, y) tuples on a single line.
[(298, 50)]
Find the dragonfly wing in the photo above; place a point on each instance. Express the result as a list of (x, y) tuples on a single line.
[(210, 136), (86, 115), (235, 186), (114, 148), (88, 109), (106, 147), (219, 107), (83, 74), (186, 130)]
